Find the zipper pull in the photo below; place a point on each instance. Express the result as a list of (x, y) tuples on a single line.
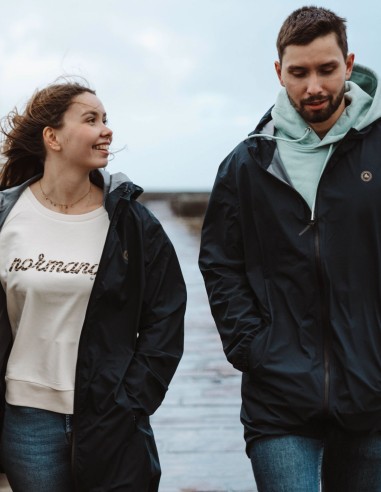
[(311, 223)]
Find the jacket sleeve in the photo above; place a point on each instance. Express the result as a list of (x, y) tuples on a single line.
[(222, 263), (160, 340)]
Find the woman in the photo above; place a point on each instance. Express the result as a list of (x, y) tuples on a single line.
[(92, 303)]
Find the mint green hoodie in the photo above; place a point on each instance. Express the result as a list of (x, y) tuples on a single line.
[(304, 160)]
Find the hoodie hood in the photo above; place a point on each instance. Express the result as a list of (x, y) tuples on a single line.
[(302, 153), (362, 94), (369, 82)]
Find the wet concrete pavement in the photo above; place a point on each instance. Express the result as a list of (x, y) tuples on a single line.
[(197, 429)]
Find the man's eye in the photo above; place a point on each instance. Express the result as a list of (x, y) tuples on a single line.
[(298, 75)]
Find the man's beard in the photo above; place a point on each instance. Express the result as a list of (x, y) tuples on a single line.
[(319, 116)]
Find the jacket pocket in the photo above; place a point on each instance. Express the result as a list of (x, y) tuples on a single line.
[(258, 352)]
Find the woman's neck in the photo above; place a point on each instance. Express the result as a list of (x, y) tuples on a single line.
[(67, 194)]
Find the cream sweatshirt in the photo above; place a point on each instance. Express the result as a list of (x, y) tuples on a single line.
[(48, 264)]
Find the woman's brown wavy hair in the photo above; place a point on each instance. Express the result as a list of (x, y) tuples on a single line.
[(22, 141)]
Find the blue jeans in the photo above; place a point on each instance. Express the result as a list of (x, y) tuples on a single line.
[(35, 450), (342, 462)]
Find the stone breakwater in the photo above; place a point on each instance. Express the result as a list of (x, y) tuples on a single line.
[(189, 207)]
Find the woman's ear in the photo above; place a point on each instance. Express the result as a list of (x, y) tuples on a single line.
[(50, 139)]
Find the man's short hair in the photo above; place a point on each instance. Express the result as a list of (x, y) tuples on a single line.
[(306, 24)]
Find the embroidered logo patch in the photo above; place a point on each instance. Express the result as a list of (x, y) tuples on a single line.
[(366, 176)]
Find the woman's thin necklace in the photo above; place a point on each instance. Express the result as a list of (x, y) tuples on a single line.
[(64, 206)]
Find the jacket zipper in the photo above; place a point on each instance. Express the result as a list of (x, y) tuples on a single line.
[(113, 220), (327, 338), (312, 224), (324, 318)]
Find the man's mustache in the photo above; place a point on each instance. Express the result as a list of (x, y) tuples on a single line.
[(314, 99)]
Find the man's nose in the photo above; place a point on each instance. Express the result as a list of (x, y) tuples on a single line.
[(314, 84)]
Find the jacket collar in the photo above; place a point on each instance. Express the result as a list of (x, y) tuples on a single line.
[(115, 187)]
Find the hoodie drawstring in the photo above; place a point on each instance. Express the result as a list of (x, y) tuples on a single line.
[(272, 137), (330, 150), (312, 219)]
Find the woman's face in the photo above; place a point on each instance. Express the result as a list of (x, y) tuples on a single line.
[(84, 138)]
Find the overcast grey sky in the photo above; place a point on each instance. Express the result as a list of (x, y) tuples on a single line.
[(182, 81)]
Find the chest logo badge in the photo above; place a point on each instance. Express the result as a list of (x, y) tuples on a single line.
[(366, 176)]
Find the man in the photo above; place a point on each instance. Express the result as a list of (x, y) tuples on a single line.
[(291, 258)]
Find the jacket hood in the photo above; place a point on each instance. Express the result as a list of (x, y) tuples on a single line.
[(115, 187), (112, 182), (362, 94)]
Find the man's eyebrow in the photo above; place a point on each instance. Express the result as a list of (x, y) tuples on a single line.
[(332, 63), (296, 67)]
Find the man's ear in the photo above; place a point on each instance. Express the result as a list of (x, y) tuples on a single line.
[(278, 70), (349, 63), (50, 139)]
